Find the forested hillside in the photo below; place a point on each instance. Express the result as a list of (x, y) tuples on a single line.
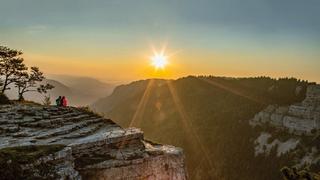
[(208, 117)]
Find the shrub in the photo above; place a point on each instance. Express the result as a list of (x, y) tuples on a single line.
[(4, 99), (46, 101)]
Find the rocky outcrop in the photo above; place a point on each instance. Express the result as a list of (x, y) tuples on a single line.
[(299, 118), (94, 147), (291, 132), (160, 162)]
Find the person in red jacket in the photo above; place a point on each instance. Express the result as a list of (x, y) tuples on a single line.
[(64, 102)]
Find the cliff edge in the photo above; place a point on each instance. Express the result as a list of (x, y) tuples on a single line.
[(74, 143)]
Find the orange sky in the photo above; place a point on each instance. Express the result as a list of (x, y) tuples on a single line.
[(138, 66)]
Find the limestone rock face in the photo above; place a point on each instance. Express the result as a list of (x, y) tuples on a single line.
[(313, 96), (297, 118), (283, 129), (161, 162), (95, 147)]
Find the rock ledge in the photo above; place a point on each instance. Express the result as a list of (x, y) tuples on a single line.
[(95, 147)]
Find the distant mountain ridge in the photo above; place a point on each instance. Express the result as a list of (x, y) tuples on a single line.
[(85, 85), (122, 94), (80, 91), (208, 117)]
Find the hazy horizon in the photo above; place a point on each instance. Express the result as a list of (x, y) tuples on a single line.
[(114, 40), (117, 82)]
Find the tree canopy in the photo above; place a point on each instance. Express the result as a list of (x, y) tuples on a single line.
[(13, 71)]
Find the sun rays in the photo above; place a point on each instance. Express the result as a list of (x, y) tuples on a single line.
[(187, 124), (138, 115), (178, 105)]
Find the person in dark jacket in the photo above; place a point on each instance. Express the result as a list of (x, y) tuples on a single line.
[(58, 101)]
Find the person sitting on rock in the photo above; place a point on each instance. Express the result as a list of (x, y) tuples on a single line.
[(64, 101), (58, 101)]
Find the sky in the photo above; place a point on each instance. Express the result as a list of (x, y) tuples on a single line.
[(113, 40)]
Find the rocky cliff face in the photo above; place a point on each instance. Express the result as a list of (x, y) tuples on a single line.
[(291, 131), (299, 118), (92, 147)]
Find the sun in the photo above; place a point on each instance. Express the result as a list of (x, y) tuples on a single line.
[(159, 60)]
